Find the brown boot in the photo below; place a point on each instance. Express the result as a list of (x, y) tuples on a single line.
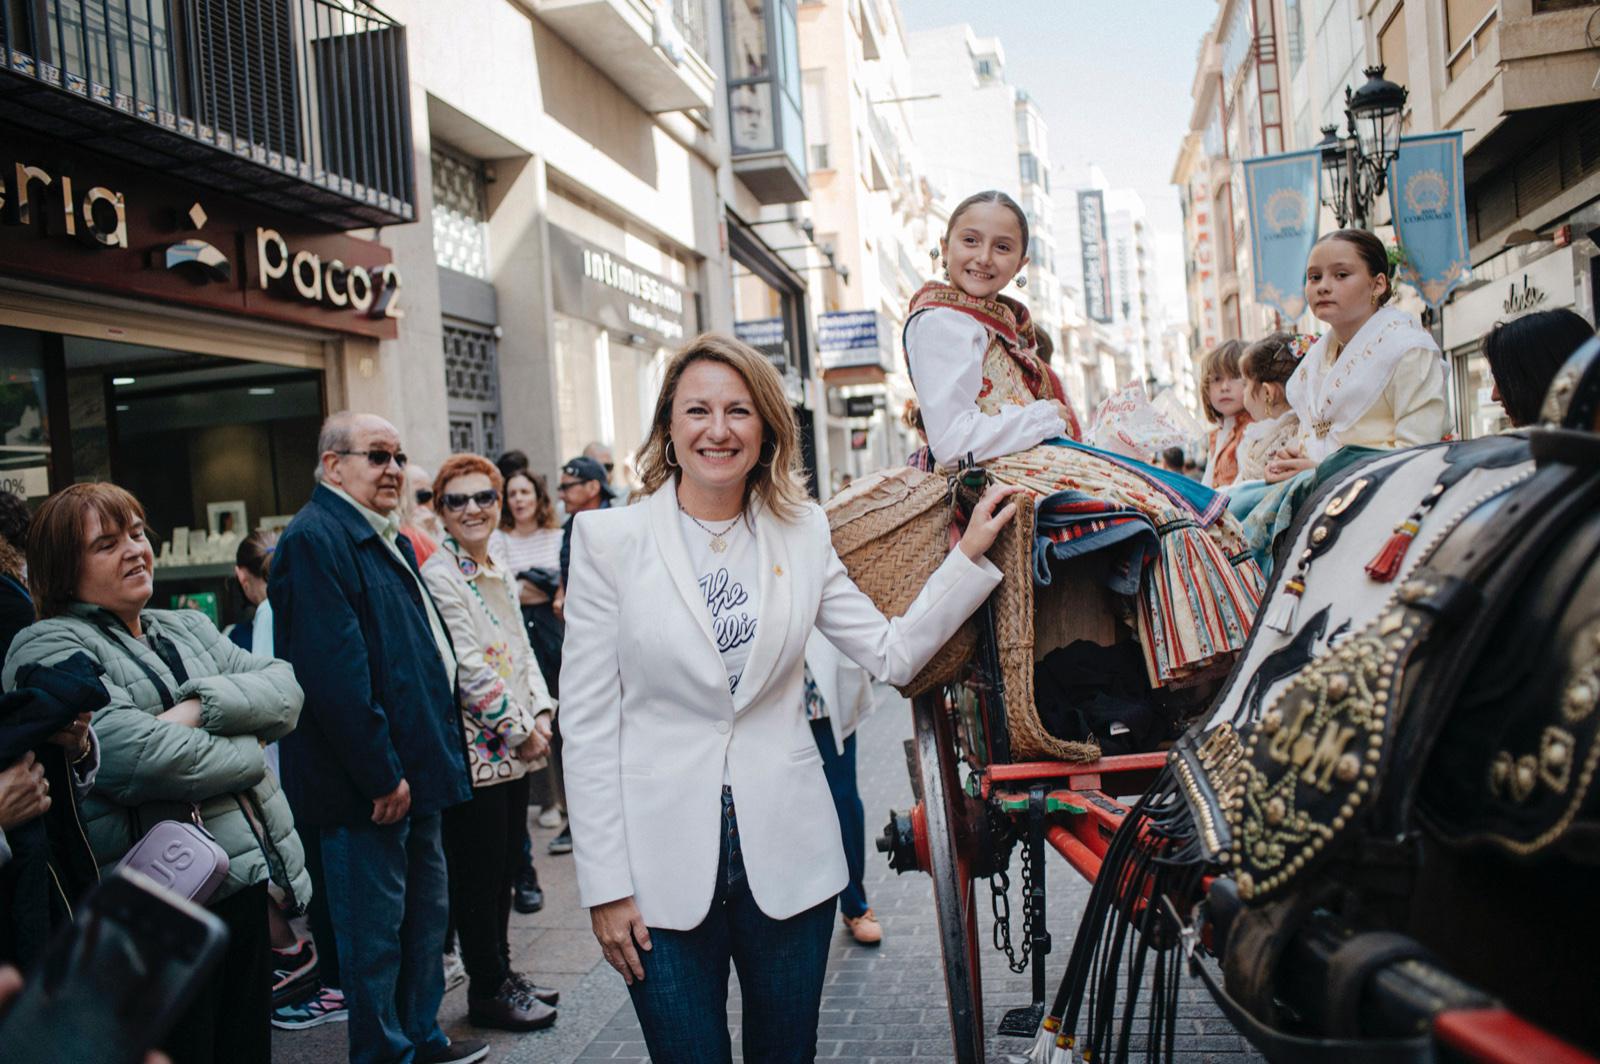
[(865, 928)]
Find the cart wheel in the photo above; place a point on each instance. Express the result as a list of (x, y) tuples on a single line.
[(953, 824)]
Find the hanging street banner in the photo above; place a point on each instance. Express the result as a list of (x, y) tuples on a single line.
[(1427, 200), (1284, 195), (1096, 265)]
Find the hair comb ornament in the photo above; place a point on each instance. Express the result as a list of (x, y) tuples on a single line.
[(1301, 344)]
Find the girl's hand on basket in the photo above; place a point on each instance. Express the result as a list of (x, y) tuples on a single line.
[(622, 935), (987, 521)]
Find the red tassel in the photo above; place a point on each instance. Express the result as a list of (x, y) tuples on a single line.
[(1386, 566)]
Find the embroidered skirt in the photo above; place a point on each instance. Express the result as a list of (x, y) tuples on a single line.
[(1199, 599)]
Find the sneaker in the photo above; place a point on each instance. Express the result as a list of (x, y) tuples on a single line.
[(526, 895), (510, 1010), (455, 973), (293, 971), (865, 928), (550, 818), (461, 1051), (324, 1006), (562, 843), (544, 993)]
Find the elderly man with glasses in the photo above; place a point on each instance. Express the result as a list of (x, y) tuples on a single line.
[(378, 754)]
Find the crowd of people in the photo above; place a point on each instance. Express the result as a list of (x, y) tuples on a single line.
[(674, 683)]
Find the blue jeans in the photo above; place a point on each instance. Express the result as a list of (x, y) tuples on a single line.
[(841, 772), (387, 897), (682, 1002)]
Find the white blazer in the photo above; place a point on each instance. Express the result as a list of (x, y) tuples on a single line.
[(648, 724)]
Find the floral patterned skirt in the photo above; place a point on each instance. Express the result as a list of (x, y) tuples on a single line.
[(1197, 603)]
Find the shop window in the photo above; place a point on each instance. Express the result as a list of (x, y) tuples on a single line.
[(472, 387), (24, 415), (460, 214)]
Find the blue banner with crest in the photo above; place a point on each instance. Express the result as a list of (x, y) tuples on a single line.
[(1427, 200), (1284, 194)]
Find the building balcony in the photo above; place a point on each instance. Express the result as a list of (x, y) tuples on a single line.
[(764, 118), (653, 49), (300, 105)]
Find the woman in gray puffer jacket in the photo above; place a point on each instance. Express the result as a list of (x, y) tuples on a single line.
[(182, 735)]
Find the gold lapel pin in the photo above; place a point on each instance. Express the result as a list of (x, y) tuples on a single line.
[(777, 570)]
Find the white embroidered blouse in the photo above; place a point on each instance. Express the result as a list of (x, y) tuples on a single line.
[(946, 349)]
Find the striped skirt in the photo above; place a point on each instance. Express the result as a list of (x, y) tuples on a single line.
[(1197, 602)]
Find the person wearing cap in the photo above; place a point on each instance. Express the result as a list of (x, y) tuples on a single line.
[(583, 486)]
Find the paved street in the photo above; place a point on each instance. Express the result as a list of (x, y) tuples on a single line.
[(879, 1006)]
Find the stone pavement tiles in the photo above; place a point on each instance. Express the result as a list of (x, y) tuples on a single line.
[(879, 1005)]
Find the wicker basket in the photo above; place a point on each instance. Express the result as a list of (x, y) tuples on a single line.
[(892, 530)]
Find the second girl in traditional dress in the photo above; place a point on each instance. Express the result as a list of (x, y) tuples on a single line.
[(985, 397), (1376, 377)]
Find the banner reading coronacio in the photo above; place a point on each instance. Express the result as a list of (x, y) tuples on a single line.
[(1427, 200), (1284, 194)]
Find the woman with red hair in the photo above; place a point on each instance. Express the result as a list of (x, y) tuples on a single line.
[(505, 719)]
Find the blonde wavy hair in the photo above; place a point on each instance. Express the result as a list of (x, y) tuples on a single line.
[(777, 482)]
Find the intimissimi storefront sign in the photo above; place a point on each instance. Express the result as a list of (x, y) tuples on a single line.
[(97, 224), (596, 285)]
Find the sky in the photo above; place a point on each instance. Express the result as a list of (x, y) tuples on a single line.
[(1113, 82)]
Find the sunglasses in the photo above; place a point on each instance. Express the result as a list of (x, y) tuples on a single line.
[(424, 496), (378, 458), (568, 485), (455, 502)]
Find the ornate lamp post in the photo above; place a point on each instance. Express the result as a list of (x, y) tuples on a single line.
[(1356, 166)]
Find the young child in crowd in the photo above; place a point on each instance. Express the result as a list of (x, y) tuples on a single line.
[(1266, 367), (1222, 393)]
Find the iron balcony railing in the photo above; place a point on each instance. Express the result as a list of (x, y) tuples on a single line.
[(302, 105)]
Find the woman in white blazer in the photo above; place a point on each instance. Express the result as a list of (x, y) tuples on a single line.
[(687, 617)]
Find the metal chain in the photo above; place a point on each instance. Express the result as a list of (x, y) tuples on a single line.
[(1000, 903)]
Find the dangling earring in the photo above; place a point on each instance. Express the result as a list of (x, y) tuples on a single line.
[(671, 458), (1374, 297), (1022, 281), (945, 269)]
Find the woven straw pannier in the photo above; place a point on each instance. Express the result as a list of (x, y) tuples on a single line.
[(892, 530)]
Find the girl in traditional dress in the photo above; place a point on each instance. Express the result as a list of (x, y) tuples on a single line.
[(1375, 379), (1222, 396), (984, 397), (1266, 367)]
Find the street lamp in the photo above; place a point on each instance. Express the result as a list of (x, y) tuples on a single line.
[(1357, 166)]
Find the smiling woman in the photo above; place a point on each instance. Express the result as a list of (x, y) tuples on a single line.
[(687, 617), (188, 716)]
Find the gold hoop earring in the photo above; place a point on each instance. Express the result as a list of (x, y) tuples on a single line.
[(669, 457)]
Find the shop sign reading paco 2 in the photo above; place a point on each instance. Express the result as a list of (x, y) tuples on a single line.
[(99, 217)]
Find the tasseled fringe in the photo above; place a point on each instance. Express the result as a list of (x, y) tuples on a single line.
[(1124, 931), (1386, 566), (1041, 1051), (1062, 1053), (1281, 614)]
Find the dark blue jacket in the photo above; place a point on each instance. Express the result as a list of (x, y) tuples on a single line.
[(351, 621)]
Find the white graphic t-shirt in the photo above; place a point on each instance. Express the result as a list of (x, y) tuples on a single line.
[(728, 586)]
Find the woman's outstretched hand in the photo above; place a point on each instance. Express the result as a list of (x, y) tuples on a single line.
[(988, 518), (622, 934)]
